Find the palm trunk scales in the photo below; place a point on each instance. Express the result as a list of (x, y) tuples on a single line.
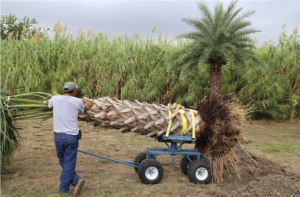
[(142, 118)]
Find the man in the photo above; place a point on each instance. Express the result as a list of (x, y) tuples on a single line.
[(65, 126)]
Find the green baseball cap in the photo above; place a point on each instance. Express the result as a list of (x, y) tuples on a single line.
[(70, 86)]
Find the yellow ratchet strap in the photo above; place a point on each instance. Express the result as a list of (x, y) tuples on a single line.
[(184, 122), (170, 123), (193, 122)]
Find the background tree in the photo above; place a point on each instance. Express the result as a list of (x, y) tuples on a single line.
[(11, 23), (220, 38)]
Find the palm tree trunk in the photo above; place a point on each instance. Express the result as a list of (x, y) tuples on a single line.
[(214, 80), (142, 118)]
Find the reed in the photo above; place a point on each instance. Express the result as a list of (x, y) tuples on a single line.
[(295, 30), (131, 67), (89, 32), (153, 28), (159, 36)]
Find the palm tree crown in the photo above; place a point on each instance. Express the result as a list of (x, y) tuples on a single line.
[(219, 38)]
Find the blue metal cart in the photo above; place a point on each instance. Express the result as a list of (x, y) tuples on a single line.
[(150, 171)]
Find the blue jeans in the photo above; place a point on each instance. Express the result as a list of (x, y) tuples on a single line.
[(66, 149)]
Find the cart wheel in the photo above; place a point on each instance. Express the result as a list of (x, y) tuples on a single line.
[(184, 164), (150, 171), (139, 158), (199, 172)]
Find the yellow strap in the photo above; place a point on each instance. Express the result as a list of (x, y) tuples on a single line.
[(184, 123), (170, 123), (193, 121)]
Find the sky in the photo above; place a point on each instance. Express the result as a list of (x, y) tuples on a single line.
[(132, 16)]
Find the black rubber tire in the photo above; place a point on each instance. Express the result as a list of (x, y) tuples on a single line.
[(195, 165), (184, 164), (147, 163), (139, 158)]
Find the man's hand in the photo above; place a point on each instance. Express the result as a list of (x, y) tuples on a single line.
[(88, 105)]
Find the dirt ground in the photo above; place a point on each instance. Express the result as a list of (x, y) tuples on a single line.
[(274, 146)]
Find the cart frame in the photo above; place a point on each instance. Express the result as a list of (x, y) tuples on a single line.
[(193, 157)]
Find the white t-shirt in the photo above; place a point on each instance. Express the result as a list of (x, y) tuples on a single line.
[(65, 113)]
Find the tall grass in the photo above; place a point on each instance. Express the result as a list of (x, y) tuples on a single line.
[(133, 67), (274, 86)]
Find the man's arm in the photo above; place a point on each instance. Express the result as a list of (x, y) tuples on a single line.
[(50, 104)]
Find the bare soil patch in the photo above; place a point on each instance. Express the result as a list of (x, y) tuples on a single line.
[(263, 178), (271, 185), (36, 168)]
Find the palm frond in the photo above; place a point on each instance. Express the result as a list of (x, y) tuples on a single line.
[(13, 108)]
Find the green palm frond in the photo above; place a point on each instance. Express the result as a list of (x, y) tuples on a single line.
[(13, 108), (224, 33), (219, 38)]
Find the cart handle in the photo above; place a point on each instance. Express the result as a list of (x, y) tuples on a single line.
[(132, 164)]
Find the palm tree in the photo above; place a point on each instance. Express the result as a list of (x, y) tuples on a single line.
[(219, 39), (13, 108)]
